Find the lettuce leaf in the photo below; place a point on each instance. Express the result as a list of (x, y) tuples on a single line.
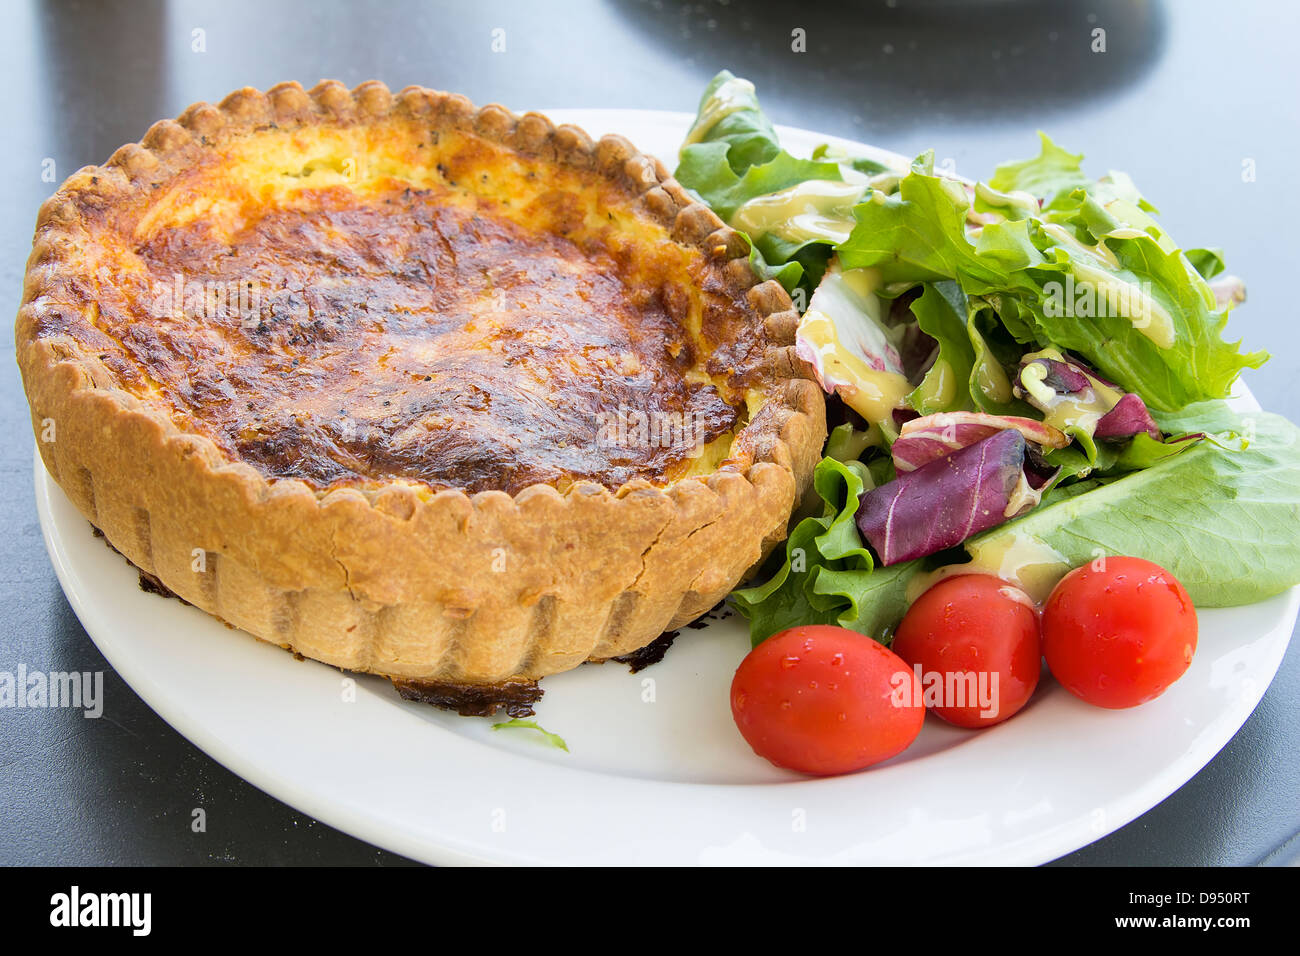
[(745, 130), (828, 576), (941, 313), (1051, 172), (1225, 519), (730, 160), (1162, 334), (707, 169)]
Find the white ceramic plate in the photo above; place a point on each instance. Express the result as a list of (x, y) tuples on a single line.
[(656, 773)]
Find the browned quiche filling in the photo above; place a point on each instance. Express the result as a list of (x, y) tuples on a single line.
[(348, 306)]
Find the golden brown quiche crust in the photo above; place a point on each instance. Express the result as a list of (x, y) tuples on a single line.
[(432, 540)]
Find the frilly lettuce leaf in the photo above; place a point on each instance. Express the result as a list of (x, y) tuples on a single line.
[(1052, 171), (1020, 266), (706, 168), (745, 131), (828, 576), (735, 158), (941, 313)]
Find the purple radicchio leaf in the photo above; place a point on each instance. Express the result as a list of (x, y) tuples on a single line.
[(1062, 377), (922, 440), (941, 504), (1070, 384), (1129, 417)]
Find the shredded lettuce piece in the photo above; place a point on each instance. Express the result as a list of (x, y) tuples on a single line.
[(554, 740)]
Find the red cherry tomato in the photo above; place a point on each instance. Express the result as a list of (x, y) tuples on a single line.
[(976, 639), (825, 700), (1117, 632)]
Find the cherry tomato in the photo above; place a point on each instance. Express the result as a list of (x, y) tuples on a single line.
[(825, 700), (978, 636), (1117, 632)]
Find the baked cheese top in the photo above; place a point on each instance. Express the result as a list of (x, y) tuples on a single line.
[(359, 304)]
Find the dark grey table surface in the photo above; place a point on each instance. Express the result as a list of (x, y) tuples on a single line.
[(1188, 97)]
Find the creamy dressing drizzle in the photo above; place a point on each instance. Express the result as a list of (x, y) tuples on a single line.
[(1094, 267), (1016, 558), (1017, 203), (1081, 410), (990, 377), (811, 210), (872, 393)]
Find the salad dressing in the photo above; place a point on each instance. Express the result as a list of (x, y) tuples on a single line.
[(814, 210), (1026, 562), (1015, 204), (872, 393), (1080, 410), (991, 378), (939, 388), (1070, 411), (1095, 268)]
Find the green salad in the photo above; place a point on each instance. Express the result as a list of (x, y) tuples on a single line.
[(1023, 373)]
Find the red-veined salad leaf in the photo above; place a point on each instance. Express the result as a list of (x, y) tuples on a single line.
[(944, 502), (1129, 417), (923, 440)]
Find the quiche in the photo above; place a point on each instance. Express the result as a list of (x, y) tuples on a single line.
[(450, 395)]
